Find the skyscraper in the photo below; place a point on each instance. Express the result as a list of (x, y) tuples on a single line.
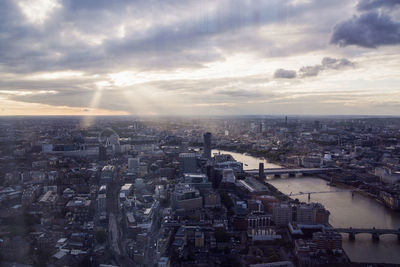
[(261, 174), (102, 152), (207, 145)]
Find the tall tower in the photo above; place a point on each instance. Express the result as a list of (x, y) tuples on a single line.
[(261, 174), (102, 152), (207, 145)]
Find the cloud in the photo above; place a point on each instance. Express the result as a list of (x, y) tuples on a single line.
[(309, 71), (285, 74), (333, 63), (366, 5), (326, 64), (173, 34), (174, 53), (369, 30)]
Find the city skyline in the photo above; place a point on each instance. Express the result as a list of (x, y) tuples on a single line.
[(303, 57)]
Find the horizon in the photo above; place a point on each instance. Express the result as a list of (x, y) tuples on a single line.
[(257, 116)]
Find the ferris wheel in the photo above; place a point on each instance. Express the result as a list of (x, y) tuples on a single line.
[(108, 137)]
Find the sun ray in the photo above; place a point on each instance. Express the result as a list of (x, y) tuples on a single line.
[(88, 120)]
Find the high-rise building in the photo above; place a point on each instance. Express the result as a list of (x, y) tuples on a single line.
[(187, 163), (261, 174), (102, 152), (207, 145)]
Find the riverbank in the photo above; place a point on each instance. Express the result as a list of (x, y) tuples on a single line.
[(276, 193)]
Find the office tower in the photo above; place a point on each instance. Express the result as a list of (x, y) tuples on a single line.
[(187, 163), (261, 174), (207, 146), (102, 152)]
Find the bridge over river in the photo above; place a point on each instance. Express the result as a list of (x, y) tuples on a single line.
[(277, 172), (322, 192), (375, 232)]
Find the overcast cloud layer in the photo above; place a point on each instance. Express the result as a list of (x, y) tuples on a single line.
[(199, 57)]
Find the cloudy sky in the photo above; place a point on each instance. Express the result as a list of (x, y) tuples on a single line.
[(200, 57)]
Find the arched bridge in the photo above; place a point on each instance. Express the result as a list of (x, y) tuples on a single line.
[(280, 171), (375, 232)]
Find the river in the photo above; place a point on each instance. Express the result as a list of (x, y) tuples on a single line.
[(346, 211)]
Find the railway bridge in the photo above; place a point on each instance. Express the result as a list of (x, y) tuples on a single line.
[(292, 172), (375, 232)]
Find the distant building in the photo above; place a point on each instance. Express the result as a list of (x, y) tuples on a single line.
[(81, 208), (387, 176), (207, 145), (143, 169), (102, 153), (199, 239), (107, 174), (164, 262), (187, 163), (327, 240), (261, 174), (312, 162), (127, 189), (228, 180), (257, 221), (267, 201), (133, 164), (312, 213), (251, 187), (103, 189), (197, 180), (186, 197), (212, 200), (228, 176), (274, 264), (47, 148), (282, 214), (234, 165), (48, 201), (102, 202)]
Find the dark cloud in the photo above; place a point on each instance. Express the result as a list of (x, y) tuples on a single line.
[(326, 64), (365, 5), (369, 30), (285, 74), (159, 34)]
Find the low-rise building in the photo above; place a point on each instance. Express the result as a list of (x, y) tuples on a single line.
[(186, 197)]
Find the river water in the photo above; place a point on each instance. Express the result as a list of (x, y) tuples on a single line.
[(346, 211)]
